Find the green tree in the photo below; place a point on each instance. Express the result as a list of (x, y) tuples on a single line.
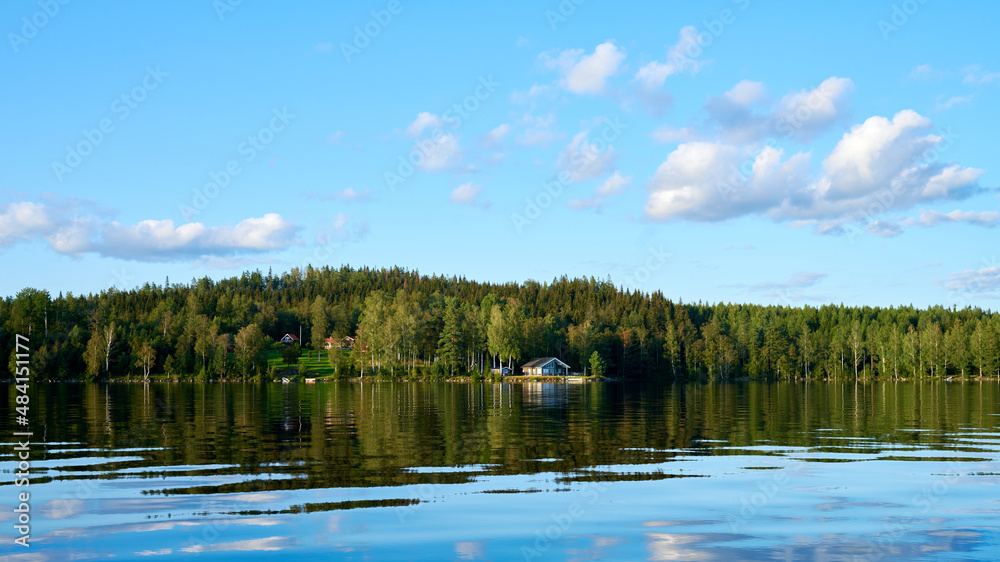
[(450, 342), (597, 365), (145, 358), (320, 324), (249, 347), (291, 354)]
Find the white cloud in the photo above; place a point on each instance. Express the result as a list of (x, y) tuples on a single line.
[(22, 221), (880, 166), (149, 240), (806, 114), (734, 115), (681, 57), (925, 72), (494, 137), (615, 184), (585, 160), (263, 544), (741, 115), (465, 194), (975, 75), (702, 181), (438, 153), (153, 240), (953, 101), (586, 74), (982, 282), (875, 153), (424, 119), (673, 134), (933, 218), (351, 194)]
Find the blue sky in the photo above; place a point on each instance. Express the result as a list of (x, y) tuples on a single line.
[(738, 151)]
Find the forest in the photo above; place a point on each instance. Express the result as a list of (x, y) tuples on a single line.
[(407, 326)]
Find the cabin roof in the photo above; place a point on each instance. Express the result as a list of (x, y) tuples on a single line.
[(541, 362)]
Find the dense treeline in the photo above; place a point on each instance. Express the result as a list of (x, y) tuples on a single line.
[(406, 324)]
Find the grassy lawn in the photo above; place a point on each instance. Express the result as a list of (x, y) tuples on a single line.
[(321, 368)]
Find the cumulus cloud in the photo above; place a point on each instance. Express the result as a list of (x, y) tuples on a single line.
[(742, 115), (161, 240), (933, 218), (23, 221), (806, 114), (703, 181), (585, 160), (351, 194), (734, 114), (953, 101), (681, 57), (976, 76), (149, 240), (424, 119), (925, 72), (465, 194), (882, 164), (614, 184), (981, 282), (438, 153), (582, 73), (493, 138)]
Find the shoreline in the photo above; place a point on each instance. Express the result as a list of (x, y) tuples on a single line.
[(510, 379)]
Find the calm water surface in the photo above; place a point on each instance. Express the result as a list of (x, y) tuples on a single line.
[(451, 471)]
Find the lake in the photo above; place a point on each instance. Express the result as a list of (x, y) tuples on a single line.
[(489, 471)]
